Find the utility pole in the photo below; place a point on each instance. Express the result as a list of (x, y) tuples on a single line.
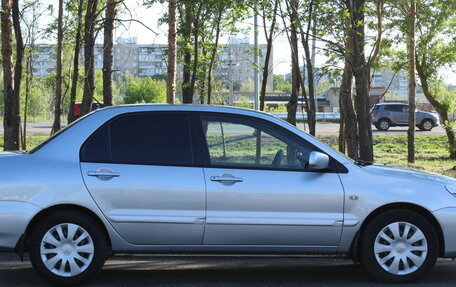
[(255, 61), (230, 65)]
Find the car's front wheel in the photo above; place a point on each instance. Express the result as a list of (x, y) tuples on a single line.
[(399, 246), (67, 248), (426, 125)]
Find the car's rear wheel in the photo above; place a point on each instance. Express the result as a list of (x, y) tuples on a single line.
[(426, 125), (399, 246), (67, 248), (383, 125)]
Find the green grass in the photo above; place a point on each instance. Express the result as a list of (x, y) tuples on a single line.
[(31, 141), (431, 152)]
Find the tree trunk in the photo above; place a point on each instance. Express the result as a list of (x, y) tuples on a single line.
[(11, 117), (439, 107), (187, 97), (74, 77), (214, 54), (19, 56), (412, 83), (310, 69), (267, 59), (172, 35), (293, 102), (58, 78), (360, 71), (108, 42), (89, 44), (196, 28), (311, 105), (342, 142), (349, 117), (28, 80)]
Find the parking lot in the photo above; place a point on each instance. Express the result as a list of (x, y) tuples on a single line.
[(223, 271)]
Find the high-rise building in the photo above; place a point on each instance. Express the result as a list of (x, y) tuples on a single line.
[(145, 60), (236, 63)]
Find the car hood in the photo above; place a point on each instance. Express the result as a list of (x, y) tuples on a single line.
[(409, 173), (427, 114)]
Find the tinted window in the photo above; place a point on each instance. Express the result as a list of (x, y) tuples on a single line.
[(96, 149), (394, 108), (243, 143), (155, 139)]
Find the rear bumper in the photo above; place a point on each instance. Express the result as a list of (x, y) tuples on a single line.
[(14, 218), (447, 220)]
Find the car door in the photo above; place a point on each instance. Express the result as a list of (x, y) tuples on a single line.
[(140, 169), (402, 114), (260, 190)]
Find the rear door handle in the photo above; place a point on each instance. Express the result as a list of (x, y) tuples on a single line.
[(226, 179), (103, 173)]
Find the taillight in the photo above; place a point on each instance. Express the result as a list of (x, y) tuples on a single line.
[(374, 113)]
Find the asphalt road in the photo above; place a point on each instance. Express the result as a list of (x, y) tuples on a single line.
[(223, 271), (44, 129)]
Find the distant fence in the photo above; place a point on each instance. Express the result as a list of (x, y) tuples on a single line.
[(319, 116)]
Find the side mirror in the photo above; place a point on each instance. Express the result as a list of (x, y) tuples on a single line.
[(318, 160)]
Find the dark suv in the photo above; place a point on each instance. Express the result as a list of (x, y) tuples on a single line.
[(384, 116)]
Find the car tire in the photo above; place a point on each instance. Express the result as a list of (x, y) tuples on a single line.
[(67, 248), (383, 125), (426, 125), (399, 246)]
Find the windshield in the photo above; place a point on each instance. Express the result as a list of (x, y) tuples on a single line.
[(49, 139)]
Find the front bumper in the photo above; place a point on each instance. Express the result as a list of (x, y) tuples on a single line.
[(447, 220), (14, 217)]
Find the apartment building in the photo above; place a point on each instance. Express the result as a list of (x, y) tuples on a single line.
[(237, 63), (145, 60)]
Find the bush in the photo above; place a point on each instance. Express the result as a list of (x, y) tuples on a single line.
[(144, 90)]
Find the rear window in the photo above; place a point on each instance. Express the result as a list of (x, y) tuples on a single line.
[(151, 139)]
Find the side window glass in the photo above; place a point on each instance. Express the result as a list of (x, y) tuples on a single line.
[(247, 144), (96, 148), (147, 139), (394, 108)]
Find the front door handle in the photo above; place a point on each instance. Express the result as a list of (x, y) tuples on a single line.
[(105, 174), (226, 179)]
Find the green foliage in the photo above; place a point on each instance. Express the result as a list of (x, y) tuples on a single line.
[(281, 108), (144, 90), (281, 85), (244, 102)]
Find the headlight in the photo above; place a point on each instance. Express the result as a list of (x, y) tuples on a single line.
[(451, 189)]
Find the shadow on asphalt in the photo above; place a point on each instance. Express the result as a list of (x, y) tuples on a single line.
[(219, 271)]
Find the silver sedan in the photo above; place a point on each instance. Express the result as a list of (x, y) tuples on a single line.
[(201, 179)]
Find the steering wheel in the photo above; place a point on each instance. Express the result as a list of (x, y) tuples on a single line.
[(277, 158)]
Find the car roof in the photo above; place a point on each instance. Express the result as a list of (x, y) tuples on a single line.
[(183, 107), (391, 104)]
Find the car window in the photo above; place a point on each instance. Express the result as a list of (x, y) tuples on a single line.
[(152, 139), (242, 143), (394, 108)]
